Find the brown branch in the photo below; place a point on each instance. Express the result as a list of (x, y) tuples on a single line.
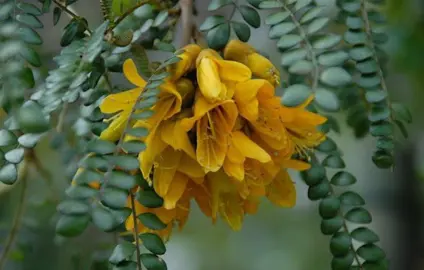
[(186, 20)]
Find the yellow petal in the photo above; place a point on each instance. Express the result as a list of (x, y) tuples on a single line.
[(155, 146), (171, 97), (210, 84), (175, 190), (130, 72), (114, 131), (245, 98), (235, 170), (281, 191), (187, 62), (165, 215), (190, 167), (234, 155), (238, 51), (248, 148), (202, 196), (175, 136), (263, 68), (120, 101), (207, 53), (233, 71), (251, 205), (232, 211), (166, 165), (296, 165)]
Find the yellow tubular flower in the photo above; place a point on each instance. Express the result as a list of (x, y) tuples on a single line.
[(301, 126), (214, 123), (281, 190), (213, 72), (187, 62), (121, 103), (259, 65)]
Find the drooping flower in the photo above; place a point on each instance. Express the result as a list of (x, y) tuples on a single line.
[(214, 123), (214, 73), (187, 62), (260, 66)]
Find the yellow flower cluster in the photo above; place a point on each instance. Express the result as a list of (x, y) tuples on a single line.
[(218, 135)]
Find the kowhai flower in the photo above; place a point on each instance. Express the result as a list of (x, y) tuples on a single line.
[(218, 136)]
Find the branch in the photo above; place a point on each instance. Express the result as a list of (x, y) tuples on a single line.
[(137, 242), (23, 173), (186, 20)]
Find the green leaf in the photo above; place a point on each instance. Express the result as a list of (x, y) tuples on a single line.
[(70, 226), (332, 225), (133, 146), (147, 25), (217, 4), (326, 42), (343, 178), (114, 198), (8, 174), (101, 147), (149, 198), (31, 118), (30, 36), (29, 8), (316, 25), (379, 113), (335, 76), (102, 218), (340, 243), (7, 138), (383, 159), (152, 262), (6, 9), (288, 41), (151, 221), (333, 58), (73, 207), (88, 176), (27, 77), (288, 58), (385, 144), (301, 4), (270, 4), (327, 100), (160, 18), (138, 132), (281, 29), (364, 235), (343, 262), (334, 161), (327, 146), (329, 207), (351, 198), (319, 191), (212, 22), (311, 14), (125, 162), (359, 215), (302, 67), (80, 192), (95, 163), (31, 56), (360, 53), (29, 20), (314, 175), (355, 38), (153, 243), (29, 140), (122, 252), (121, 180), (163, 46), (381, 129), (371, 253), (295, 95), (401, 112), (242, 30), (144, 12), (375, 96), (277, 17), (57, 12), (250, 15), (367, 66), (369, 81), (351, 7), (354, 22), (255, 3), (218, 36), (382, 265)]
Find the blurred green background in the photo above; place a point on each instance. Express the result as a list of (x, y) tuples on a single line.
[(274, 238)]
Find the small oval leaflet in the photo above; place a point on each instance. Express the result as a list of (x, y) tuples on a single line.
[(295, 95), (327, 100)]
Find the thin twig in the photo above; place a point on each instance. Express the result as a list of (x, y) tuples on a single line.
[(61, 119), (137, 242), (23, 173), (186, 20)]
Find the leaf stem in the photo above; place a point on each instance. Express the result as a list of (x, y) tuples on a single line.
[(137, 242), (23, 174)]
